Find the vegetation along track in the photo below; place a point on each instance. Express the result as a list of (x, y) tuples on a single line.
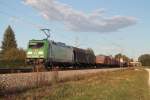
[(18, 82), (112, 85)]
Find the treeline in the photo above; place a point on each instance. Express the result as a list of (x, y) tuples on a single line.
[(10, 54), (123, 57), (145, 59)]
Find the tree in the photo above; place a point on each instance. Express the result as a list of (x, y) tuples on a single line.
[(144, 59), (9, 40), (13, 58), (14, 54), (11, 55), (119, 55)]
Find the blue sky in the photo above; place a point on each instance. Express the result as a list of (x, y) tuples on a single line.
[(129, 37)]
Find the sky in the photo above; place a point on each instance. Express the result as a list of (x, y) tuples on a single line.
[(106, 26)]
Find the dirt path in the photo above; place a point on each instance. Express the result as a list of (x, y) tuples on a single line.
[(149, 76)]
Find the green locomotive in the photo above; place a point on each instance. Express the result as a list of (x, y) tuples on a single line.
[(37, 49), (49, 53)]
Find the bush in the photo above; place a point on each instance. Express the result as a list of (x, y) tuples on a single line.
[(13, 58), (14, 54)]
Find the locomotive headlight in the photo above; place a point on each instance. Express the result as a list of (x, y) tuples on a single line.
[(29, 53), (40, 52)]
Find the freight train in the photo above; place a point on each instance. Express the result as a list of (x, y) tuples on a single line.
[(52, 54)]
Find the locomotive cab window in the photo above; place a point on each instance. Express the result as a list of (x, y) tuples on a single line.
[(36, 45)]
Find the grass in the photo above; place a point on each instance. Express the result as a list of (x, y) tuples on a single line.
[(116, 85), (146, 66)]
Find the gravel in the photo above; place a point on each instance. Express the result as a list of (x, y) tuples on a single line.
[(21, 81)]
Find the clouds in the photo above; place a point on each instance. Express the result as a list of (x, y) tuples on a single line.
[(79, 21)]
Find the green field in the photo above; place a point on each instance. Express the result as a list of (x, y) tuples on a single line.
[(116, 85)]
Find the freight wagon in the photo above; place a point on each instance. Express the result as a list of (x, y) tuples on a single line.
[(103, 61), (106, 61), (83, 57)]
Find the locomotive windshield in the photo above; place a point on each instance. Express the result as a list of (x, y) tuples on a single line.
[(36, 45)]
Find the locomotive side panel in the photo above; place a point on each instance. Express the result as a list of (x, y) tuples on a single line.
[(61, 53)]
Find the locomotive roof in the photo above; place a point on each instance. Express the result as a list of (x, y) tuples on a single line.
[(60, 44), (37, 40)]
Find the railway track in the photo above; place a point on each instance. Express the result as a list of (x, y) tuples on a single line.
[(15, 70), (30, 69)]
